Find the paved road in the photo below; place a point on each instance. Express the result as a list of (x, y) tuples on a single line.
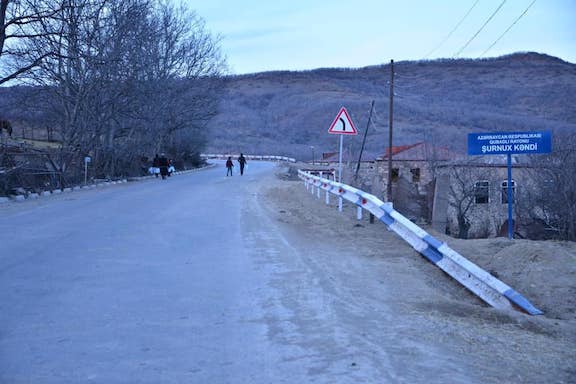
[(192, 280), (149, 282)]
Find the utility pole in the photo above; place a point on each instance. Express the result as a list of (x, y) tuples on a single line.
[(312, 148), (364, 140), (362, 150), (391, 117)]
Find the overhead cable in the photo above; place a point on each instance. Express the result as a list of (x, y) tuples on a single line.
[(508, 29), (452, 31), (480, 30)]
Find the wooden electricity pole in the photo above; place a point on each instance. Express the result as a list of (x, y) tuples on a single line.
[(364, 140), (362, 150), (391, 117)]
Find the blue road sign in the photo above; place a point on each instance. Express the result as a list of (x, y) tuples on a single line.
[(505, 143), (508, 143)]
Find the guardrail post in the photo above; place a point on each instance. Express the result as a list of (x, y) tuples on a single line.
[(327, 197), (319, 185), (359, 213)]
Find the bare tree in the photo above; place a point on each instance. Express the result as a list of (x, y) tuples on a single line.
[(124, 78), (22, 22), (173, 78), (550, 198), (469, 185)]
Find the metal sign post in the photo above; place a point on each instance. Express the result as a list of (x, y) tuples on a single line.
[(340, 159), (87, 159), (342, 125), (508, 143), (510, 198)]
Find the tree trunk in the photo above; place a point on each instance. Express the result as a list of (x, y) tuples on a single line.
[(463, 227)]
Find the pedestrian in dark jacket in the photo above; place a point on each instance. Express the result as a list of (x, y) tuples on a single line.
[(242, 161), (156, 165), (163, 163), (229, 165)]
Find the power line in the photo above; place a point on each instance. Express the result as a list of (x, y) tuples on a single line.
[(452, 31), (508, 29), (480, 30)]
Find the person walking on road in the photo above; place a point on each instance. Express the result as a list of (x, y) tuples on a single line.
[(229, 165), (242, 161), (163, 162), (156, 165)]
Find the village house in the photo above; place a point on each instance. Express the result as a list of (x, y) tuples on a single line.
[(415, 163), (413, 170), (476, 190), (460, 195)]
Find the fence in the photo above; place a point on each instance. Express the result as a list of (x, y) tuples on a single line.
[(481, 283), (34, 196), (248, 157)]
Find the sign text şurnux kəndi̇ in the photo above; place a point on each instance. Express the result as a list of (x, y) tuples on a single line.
[(507, 143), (510, 148)]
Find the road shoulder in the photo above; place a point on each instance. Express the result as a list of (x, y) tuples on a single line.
[(505, 346)]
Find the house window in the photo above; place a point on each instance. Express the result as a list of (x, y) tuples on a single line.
[(415, 175), (481, 192), (505, 191), (395, 174)]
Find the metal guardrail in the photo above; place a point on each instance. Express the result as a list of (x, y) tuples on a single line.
[(34, 196), (481, 283), (248, 157)]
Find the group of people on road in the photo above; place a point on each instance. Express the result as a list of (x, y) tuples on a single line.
[(230, 165), (162, 166)]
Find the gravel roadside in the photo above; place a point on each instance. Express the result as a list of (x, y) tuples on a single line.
[(368, 268)]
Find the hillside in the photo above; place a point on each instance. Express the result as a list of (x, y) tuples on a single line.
[(441, 101)]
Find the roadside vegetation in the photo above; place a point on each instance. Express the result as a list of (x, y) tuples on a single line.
[(116, 81)]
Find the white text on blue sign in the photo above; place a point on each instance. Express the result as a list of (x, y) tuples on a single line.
[(507, 143)]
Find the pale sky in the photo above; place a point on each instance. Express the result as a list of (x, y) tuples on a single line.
[(265, 35)]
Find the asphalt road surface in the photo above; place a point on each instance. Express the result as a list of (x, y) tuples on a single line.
[(193, 280), (149, 282)]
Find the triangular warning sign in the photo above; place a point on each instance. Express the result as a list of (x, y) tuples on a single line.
[(342, 124)]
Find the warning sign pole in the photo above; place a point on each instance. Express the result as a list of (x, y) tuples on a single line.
[(342, 125), (340, 159), (340, 169)]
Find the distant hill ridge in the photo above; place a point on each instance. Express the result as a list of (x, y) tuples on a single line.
[(439, 101)]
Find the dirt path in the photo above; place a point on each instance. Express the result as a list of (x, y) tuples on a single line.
[(366, 268)]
